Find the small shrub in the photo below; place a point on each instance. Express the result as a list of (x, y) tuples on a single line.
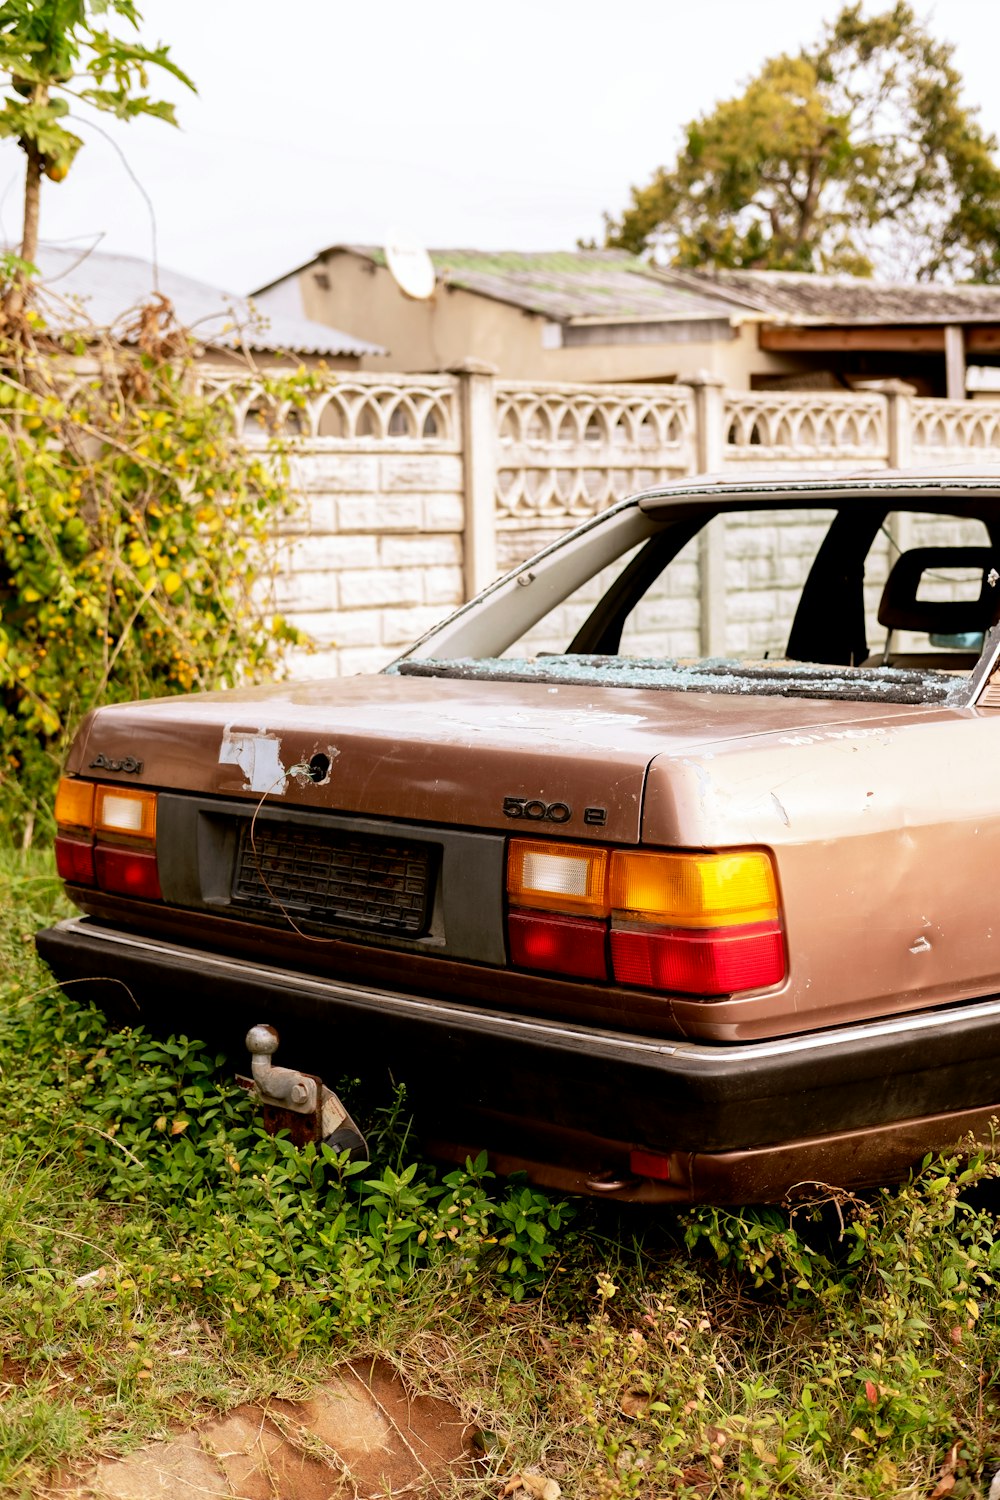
[(134, 539), (281, 1246)]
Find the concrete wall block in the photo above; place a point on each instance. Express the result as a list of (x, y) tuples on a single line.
[(306, 591), (419, 551), (334, 472), (684, 576), (401, 627), (317, 624), (645, 644), (765, 640), (747, 541), (370, 659), (516, 545), (737, 639), (683, 643), (391, 586), (321, 515), (420, 472), (376, 513), (444, 585), (802, 541), (338, 628), (743, 608), (299, 521), (313, 666), (792, 571), (655, 645), (759, 572), (314, 554), (443, 513), (660, 616)]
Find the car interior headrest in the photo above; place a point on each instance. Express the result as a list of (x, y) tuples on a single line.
[(900, 609)]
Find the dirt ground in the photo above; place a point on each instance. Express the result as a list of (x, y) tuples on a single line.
[(361, 1434)]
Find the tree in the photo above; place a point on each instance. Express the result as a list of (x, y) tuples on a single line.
[(857, 155), (53, 52)]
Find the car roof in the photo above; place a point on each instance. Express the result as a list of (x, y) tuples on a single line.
[(761, 488)]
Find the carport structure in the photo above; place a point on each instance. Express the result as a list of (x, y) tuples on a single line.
[(847, 329)]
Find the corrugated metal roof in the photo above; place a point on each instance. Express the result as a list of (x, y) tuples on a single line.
[(102, 288), (802, 298), (569, 286)]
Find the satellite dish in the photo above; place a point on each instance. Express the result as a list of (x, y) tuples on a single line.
[(410, 267)]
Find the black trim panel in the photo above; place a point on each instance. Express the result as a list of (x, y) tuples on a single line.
[(467, 919)]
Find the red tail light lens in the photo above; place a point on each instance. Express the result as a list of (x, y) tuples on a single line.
[(127, 872), (700, 962), (558, 945), (75, 861), (650, 1164)]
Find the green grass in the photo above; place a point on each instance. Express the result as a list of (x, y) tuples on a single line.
[(161, 1258)]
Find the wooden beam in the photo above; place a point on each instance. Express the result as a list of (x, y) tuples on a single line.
[(897, 340), (982, 338)]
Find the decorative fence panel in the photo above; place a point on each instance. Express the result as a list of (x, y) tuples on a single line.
[(416, 490), (948, 431), (789, 427), (565, 452), (418, 412)]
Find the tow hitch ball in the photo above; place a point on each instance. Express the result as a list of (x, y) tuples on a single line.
[(298, 1102)]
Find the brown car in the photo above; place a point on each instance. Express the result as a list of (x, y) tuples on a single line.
[(640, 923)]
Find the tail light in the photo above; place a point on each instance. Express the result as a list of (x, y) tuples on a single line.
[(698, 923), (106, 837), (562, 945), (570, 878)]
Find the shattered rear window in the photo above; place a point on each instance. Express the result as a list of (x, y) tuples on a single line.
[(719, 675), (869, 601)]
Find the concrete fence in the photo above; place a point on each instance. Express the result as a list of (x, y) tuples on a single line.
[(416, 491)]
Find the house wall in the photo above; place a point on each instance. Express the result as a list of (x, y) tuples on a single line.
[(413, 492), (350, 292), (219, 362)]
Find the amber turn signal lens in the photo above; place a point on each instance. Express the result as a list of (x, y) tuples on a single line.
[(694, 890), (553, 876), (75, 804), (125, 810)]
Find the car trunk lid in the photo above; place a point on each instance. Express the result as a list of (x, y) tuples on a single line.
[(564, 759)]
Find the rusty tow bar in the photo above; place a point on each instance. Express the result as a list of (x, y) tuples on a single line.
[(299, 1103)]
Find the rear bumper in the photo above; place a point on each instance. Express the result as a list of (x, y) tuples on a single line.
[(739, 1121)]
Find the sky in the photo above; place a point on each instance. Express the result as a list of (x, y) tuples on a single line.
[(457, 123)]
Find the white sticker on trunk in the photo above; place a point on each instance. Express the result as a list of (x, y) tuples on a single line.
[(258, 756)]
